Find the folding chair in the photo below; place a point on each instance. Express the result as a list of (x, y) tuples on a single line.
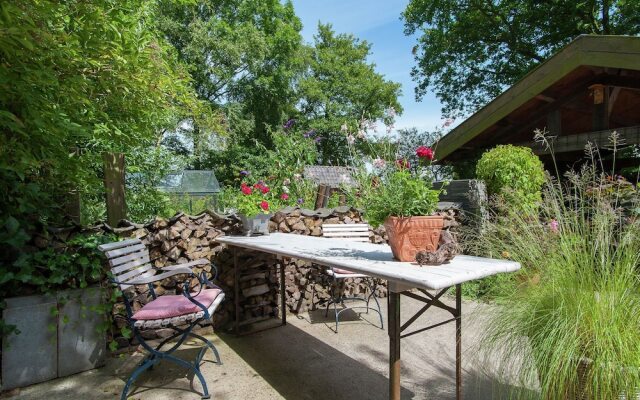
[(358, 233), (130, 265)]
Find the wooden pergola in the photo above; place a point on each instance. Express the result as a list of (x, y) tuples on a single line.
[(582, 94)]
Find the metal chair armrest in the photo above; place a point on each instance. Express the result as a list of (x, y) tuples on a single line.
[(201, 261)]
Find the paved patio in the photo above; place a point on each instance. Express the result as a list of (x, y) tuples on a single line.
[(305, 360)]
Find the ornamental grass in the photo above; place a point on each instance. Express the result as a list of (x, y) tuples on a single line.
[(571, 322)]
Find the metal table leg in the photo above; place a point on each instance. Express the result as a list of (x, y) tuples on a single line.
[(396, 329), (458, 316), (236, 289), (394, 345), (283, 301)]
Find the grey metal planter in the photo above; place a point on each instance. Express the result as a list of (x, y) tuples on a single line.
[(58, 337), (256, 225)]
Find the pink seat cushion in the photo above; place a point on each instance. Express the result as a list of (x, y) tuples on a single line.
[(342, 271), (170, 306)]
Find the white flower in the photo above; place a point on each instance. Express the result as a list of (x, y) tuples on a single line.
[(351, 139), (344, 128), (297, 177), (361, 134), (379, 163), (286, 182), (285, 189)]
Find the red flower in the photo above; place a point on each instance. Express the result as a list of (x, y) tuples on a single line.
[(264, 190), (264, 205), (403, 163), (284, 196), (246, 190), (425, 152)]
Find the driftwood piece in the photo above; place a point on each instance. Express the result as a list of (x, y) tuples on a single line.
[(447, 249)]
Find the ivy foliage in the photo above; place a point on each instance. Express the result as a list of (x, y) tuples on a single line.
[(514, 173)]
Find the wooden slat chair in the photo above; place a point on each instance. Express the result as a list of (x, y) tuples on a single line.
[(357, 233), (130, 265)]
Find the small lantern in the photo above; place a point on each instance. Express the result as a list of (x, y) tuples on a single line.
[(597, 91)]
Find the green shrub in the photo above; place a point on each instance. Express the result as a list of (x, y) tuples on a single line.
[(398, 193), (573, 299), (514, 173)]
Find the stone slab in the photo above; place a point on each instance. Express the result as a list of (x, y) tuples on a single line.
[(30, 356), (81, 345)]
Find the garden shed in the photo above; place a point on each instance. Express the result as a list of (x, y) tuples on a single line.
[(330, 179), (586, 91)]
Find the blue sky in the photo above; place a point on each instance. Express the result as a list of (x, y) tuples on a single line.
[(378, 22)]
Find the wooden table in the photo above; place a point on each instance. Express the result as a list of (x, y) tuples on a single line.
[(376, 260)]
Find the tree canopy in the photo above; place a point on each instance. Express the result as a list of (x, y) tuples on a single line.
[(240, 52), (340, 87), (78, 78), (469, 51)]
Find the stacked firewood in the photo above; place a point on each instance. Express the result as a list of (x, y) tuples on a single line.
[(184, 238)]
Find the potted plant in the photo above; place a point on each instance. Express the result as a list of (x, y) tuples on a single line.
[(253, 205), (404, 202)]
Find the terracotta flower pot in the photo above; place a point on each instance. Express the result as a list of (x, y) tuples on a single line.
[(409, 235)]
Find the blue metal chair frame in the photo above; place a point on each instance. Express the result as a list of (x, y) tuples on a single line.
[(155, 353), (341, 299)]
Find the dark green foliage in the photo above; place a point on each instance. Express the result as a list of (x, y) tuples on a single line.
[(470, 51), (341, 87), (514, 173), (76, 79), (238, 52)]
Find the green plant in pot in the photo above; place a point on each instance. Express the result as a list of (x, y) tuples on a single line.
[(404, 202), (572, 316)]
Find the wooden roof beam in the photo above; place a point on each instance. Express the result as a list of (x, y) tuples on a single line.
[(574, 143)]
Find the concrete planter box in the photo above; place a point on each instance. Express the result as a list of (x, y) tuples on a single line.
[(52, 344)]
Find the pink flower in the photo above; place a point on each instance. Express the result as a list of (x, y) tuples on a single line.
[(424, 152), (379, 163), (264, 205), (246, 190), (284, 196), (554, 226), (403, 163)]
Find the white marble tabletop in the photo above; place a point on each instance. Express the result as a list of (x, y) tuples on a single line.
[(373, 259)]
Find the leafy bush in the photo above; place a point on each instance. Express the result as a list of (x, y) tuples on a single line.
[(398, 193), (571, 303), (93, 76), (514, 173)]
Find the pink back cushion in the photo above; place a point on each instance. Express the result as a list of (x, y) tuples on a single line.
[(170, 306)]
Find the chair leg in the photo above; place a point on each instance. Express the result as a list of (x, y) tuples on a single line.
[(148, 363), (155, 356), (208, 345), (335, 305), (196, 370), (375, 298)]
